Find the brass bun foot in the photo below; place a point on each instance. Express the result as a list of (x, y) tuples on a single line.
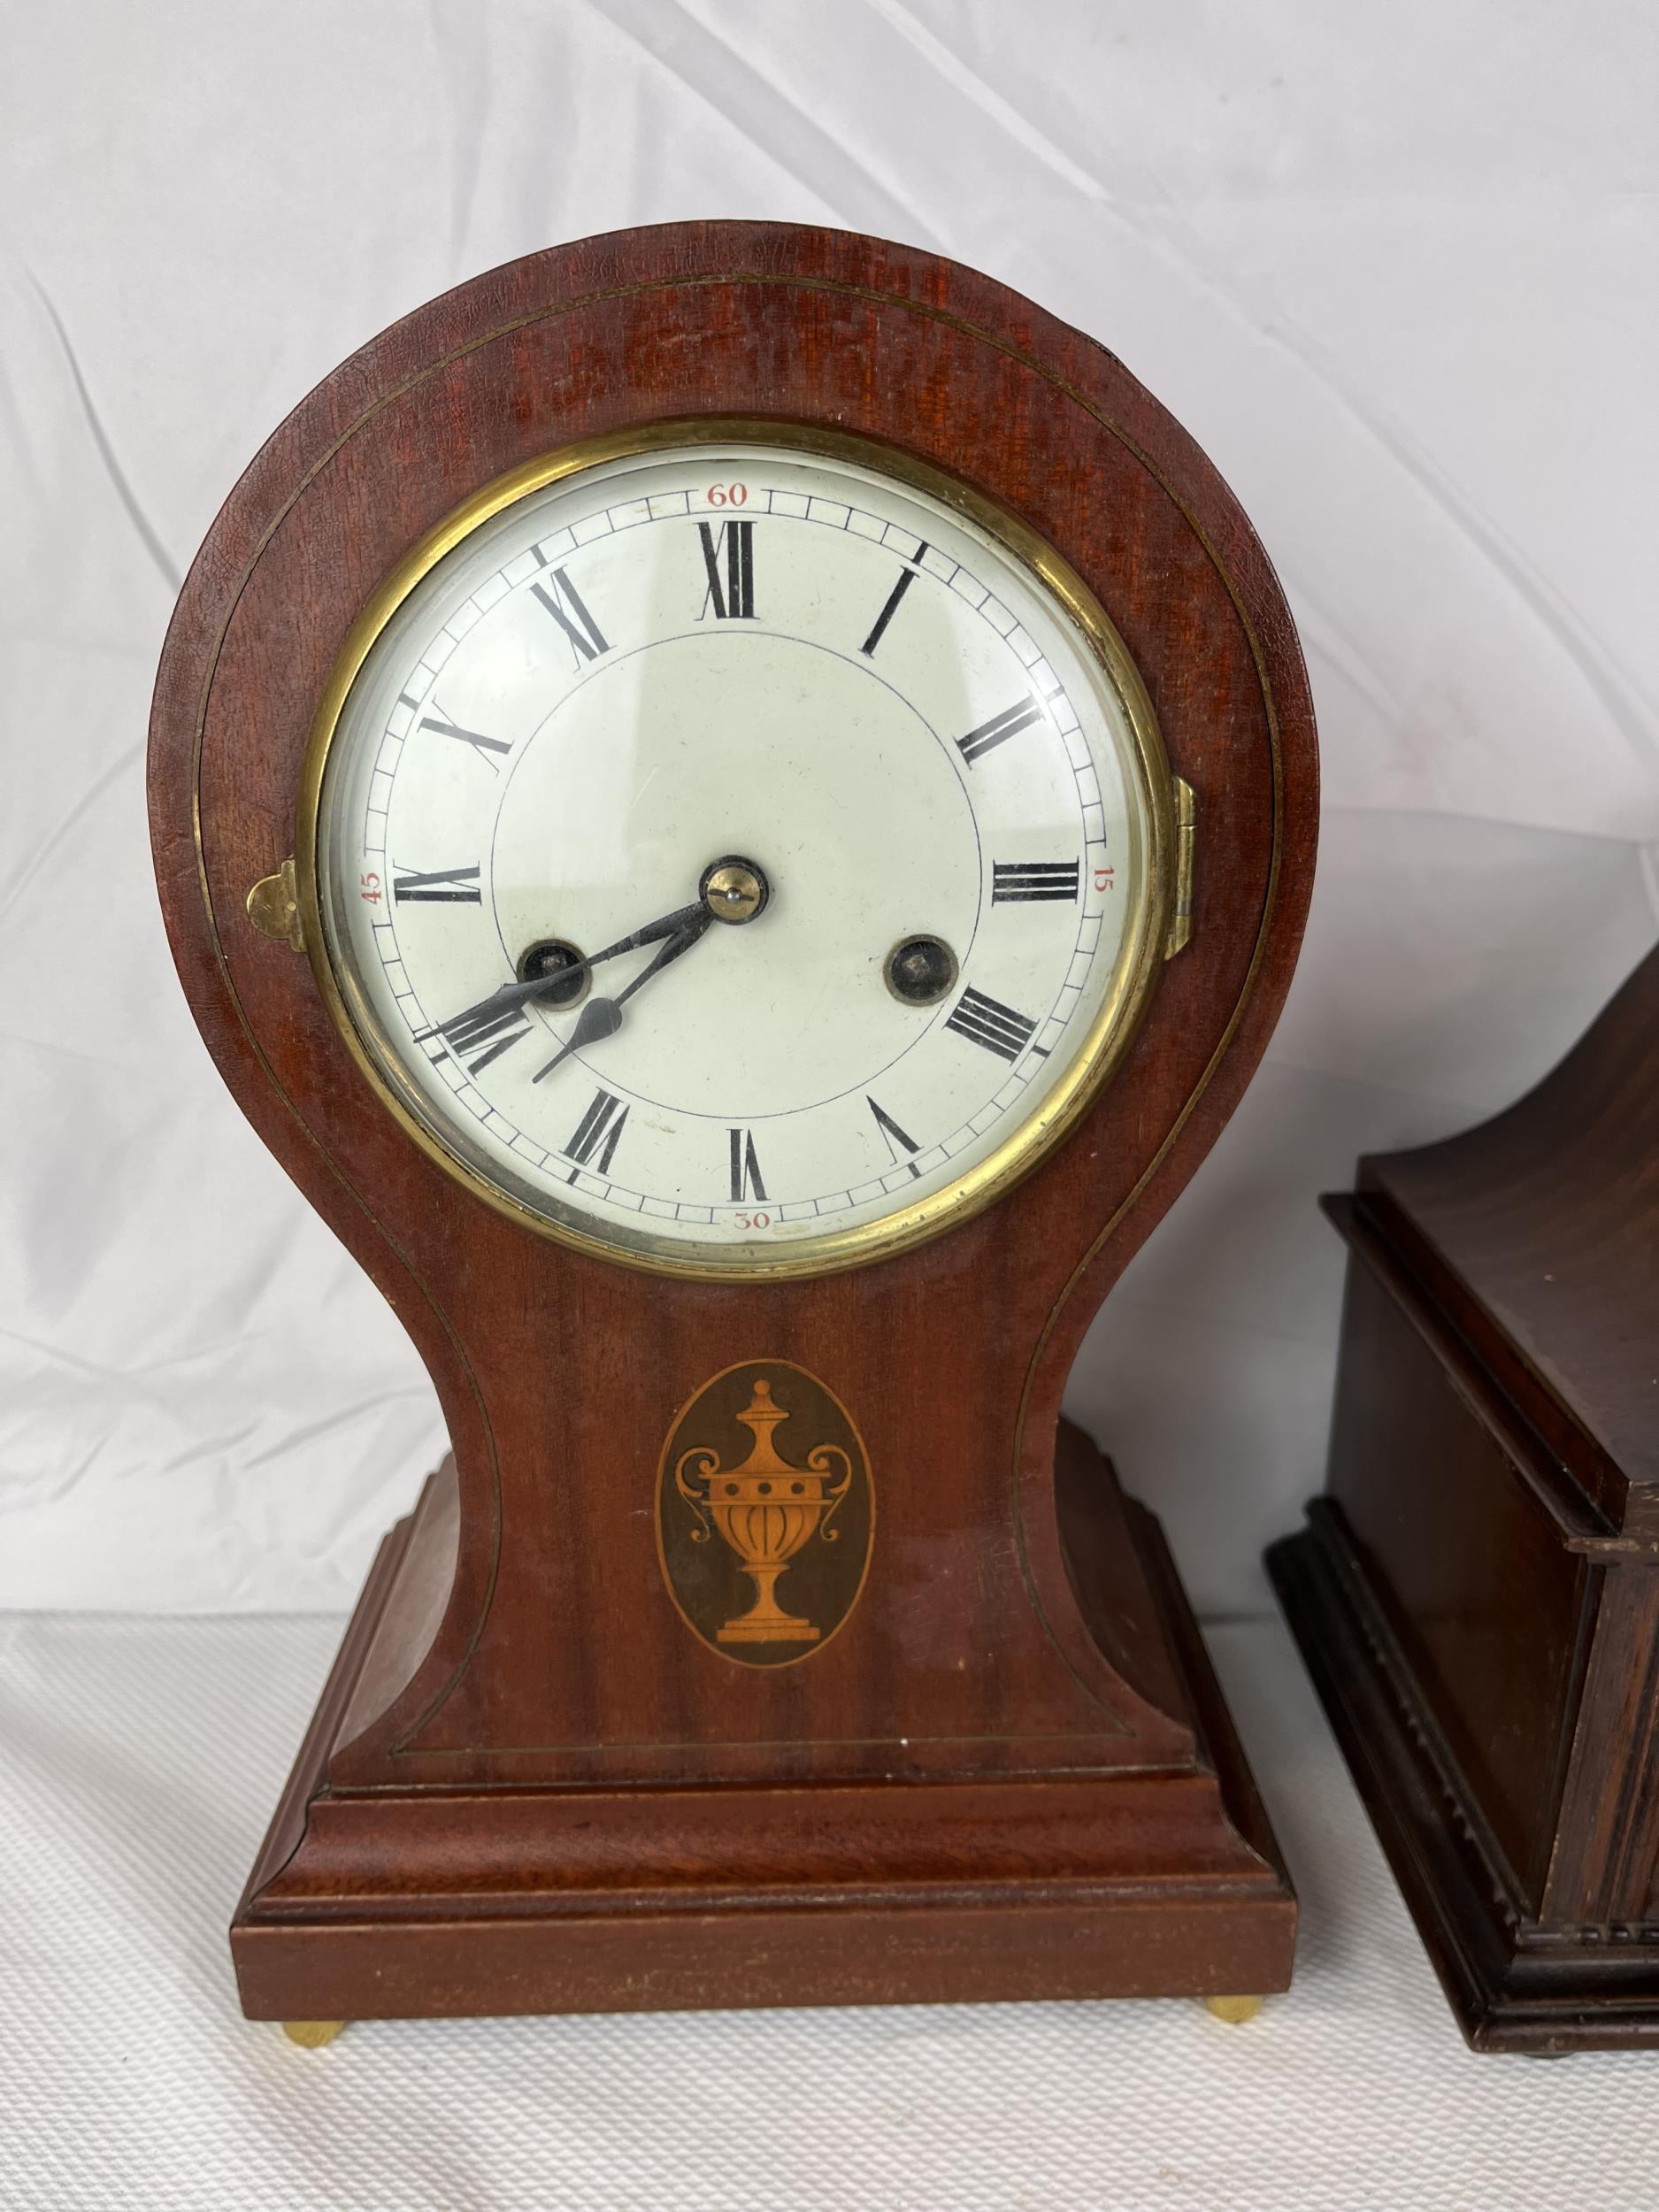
[(311, 2035), (1233, 2010)]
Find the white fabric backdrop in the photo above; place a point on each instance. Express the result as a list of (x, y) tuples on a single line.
[(1396, 271)]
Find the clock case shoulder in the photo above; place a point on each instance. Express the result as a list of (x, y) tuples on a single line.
[(1021, 1633)]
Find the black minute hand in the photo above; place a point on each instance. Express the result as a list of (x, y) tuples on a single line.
[(513, 994), (601, 1018)]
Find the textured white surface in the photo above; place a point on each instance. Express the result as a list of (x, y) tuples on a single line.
[(129, 2081), (1398, 270)]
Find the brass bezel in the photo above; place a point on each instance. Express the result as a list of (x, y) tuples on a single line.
[(1138, 965)]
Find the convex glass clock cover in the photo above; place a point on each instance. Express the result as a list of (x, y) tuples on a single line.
[(743, 852)]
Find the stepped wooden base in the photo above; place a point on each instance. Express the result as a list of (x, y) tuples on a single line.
[(1514, 1982), (425, 1902)]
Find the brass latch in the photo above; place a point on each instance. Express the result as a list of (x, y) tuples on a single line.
[(1185, 835), (273, 908)]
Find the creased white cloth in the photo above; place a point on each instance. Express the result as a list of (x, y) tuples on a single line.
[(1397, 270), (139, 1760)]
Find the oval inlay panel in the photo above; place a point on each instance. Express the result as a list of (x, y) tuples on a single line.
[(764, 1513)]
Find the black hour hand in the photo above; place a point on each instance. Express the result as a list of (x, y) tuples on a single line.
[(601, 1018)]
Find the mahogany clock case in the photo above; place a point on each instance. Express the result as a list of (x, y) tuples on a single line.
[(534, 1783), (1477, 1592)]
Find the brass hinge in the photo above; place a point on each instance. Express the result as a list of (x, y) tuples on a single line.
[(273, 908), (1185, 835)]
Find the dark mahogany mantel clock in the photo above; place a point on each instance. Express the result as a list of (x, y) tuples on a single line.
[(1477, 1592), (736, 803)]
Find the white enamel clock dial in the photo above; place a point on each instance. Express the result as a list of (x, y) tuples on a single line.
[(931, 791)]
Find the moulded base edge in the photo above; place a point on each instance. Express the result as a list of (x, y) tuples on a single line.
[(1513, 1983)]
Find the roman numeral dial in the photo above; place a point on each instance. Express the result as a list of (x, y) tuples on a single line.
[(1030, 882), (483, 745), (746, 1178), (998, 730), (728, 560), (481, 1035), (901, 1148), (685, 668), (565, 605), (987, 1022), (597, 1135), (438, 886), (907, 577)]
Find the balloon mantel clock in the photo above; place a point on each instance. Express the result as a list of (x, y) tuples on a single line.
[(735, 804)]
